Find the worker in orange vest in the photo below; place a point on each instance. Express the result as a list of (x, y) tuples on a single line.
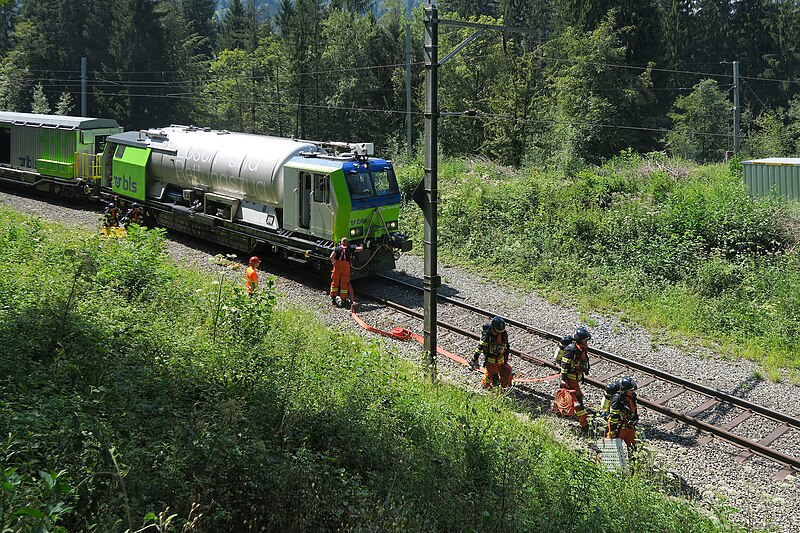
[(251, 276), (340, 277)]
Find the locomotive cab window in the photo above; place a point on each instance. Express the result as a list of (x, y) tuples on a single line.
[(120, 151), (322, 191), (385, 182), (360, 185), (369, 184), (99, 144)]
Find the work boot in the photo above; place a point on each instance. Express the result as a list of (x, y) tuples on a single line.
[(347, 303), (584, 431), (333, 301)]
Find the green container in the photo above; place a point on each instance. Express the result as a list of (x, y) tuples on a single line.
[(54, 168), (779, 174)]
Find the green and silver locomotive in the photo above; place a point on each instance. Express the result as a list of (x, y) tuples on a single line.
[(295, 197)]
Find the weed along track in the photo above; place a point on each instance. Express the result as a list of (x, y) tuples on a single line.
[(753, 428), (691, 461)]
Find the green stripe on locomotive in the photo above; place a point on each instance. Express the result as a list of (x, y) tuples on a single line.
[(341, 227)]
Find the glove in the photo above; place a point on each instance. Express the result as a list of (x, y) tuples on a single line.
[(474, 363)]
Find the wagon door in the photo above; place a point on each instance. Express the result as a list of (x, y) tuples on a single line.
[(321, 208), (5, 145), (305, 200)]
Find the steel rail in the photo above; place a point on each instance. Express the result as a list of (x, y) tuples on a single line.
[(754, 447), (723, 397)]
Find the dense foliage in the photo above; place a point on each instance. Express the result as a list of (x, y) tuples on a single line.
[(136, 395), (675, 247), (587, 79)]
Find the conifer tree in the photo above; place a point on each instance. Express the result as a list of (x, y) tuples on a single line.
[(135, 75), (283, 20), (39, 104), (8, 13), (199, 14), (232, 28), (64, 105)]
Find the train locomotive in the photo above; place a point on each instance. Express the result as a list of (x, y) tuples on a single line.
[(296, 198)]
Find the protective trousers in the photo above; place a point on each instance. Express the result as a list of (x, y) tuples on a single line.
[(627, 434), (496, 374), (580, 410), (340, 279)]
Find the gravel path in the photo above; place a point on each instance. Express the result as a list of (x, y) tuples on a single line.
[(706, 473)]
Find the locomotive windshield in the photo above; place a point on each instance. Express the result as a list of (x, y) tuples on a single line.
[(364, 184)]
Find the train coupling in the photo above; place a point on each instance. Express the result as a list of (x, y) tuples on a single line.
[(396, 241), (400, 241)]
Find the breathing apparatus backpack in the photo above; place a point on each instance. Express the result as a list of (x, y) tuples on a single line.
[(562, 345)]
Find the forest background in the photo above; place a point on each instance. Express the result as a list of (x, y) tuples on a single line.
[(593, 78)]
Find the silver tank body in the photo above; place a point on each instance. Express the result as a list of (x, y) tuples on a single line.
[(241, 165)]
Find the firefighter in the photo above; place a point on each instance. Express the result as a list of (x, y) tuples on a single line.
[(564, 342), (495, 349), (574, 365), (111, 217), (340, 277), (251, 276), (624, 414), (626, 383), (133, 216)]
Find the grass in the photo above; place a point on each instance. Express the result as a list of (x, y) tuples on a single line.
[(137, 395), (678, 248)]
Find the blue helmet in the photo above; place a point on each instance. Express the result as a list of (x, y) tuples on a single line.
[(627, 383), (582, 334), (498, 324)]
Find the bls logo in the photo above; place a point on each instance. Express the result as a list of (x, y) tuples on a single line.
[(125, 183)]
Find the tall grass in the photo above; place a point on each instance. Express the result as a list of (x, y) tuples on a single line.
[(673, 246), (123, 407)]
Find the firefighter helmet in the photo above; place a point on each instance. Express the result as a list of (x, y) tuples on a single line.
[(582, 334), (627, 383), (254, 260), (498, 324)]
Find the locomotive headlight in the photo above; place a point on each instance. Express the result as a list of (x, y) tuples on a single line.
[(391, 225), (356, 232)]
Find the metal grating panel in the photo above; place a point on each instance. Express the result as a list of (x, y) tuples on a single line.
[(613, 454)]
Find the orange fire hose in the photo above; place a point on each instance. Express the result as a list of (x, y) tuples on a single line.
[(404, 334)]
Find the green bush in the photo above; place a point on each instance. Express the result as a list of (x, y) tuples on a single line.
[(668, 244), (136, 395)]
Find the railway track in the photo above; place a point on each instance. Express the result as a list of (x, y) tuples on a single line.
[(715, 413)]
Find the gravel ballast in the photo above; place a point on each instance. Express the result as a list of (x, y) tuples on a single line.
[(708, 473)]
